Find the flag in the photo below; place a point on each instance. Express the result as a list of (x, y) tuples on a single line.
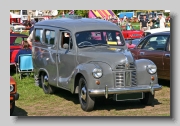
[(71, 12)]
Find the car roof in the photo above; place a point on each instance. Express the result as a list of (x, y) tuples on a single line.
[(79, 24), (17, 35), (157, 30), (162, 33)]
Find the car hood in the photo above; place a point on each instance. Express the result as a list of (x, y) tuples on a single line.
[(111, 56)]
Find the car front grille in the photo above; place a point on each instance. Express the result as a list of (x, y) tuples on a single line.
[(122, 66), (125, 78)]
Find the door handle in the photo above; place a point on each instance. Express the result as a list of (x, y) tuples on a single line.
[(141, 53), (167, 55)]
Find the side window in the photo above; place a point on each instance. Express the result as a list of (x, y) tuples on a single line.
[(142, 43), (156, 43), (38, 35), (66, 40), (50, 37)]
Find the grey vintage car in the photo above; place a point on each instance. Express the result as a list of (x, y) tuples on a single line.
[(90, 57)]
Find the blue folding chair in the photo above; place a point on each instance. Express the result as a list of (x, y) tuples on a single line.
[(25, 64)]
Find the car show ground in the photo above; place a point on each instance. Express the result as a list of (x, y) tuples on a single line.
[(33, 102)]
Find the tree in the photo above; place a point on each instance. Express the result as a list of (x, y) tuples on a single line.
[(83, 13)]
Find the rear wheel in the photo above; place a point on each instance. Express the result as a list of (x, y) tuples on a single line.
[(87, 103), (47, 88), (148, 99)]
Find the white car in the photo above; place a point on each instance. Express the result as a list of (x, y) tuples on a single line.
[(156, 30), (18, 27)]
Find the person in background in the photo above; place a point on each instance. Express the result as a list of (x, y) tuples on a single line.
[(150, 24), (32, 27), (130, 45), (25, 50), (162, 22), (30, 38), (124, 19), (128, 27), (144, 23)]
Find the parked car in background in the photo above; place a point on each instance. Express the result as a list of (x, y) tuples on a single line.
[(156, 30), (17, 27), (132, 34), (15, 45), (155, 47), (89, 57), (14, 95)]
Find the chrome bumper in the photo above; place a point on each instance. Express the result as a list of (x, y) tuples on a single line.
[(107, 91)]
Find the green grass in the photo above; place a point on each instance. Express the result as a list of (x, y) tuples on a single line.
[(34, 102)]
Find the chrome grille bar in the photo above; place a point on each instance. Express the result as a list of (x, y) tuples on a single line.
[(125, 78)]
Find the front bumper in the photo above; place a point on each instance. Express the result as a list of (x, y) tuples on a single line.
[(107, 91)]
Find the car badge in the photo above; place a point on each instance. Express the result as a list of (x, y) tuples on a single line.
[(127, 65)]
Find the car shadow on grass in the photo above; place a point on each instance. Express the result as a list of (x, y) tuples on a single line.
[(101, 103), (19, 112), (67, 95), (109, 104)]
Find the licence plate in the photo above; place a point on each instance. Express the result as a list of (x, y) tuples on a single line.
[(131, 96)]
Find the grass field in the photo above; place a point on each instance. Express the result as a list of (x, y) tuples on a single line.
[(33, 102)]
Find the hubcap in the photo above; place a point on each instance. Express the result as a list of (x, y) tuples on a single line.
[(83, 93), (45, 80)]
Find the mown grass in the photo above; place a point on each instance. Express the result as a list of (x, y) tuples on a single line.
[(33, 102)]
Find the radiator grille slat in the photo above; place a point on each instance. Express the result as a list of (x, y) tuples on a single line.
[(124, 78)]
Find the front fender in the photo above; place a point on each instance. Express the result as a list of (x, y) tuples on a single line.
[(143, 77), (86, 71)]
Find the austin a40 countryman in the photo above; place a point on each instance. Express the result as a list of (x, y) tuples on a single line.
[(89, 57)]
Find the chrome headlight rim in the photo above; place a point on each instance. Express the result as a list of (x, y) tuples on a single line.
[(11, 88), (97, 73), (151, 69)]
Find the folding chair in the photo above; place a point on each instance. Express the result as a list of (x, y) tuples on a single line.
[(25, 64)]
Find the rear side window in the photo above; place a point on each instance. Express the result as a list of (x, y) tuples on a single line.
[(38, 35), (49, 37)]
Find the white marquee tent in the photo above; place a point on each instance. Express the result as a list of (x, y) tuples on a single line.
[(12, 15)]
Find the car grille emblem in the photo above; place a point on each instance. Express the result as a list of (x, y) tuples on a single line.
[(127, 65)]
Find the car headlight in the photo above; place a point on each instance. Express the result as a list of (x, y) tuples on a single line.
[(97, 73), (151, 69), (11, 88)]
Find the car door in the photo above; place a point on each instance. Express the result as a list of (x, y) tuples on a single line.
[(136, 50), (66, 60), (154, 49), (166, 61)]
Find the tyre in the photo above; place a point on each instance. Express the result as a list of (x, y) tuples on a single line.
[(12, 108), (47, 88), (148, 99), (87, 103)]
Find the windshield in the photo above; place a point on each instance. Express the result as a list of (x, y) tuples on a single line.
[(99, 38)]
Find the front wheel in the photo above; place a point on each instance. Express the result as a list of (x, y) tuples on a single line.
[(47, 88), (148, 99), (87, 103)]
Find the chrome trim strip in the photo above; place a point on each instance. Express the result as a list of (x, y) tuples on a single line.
[(95, 92)]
